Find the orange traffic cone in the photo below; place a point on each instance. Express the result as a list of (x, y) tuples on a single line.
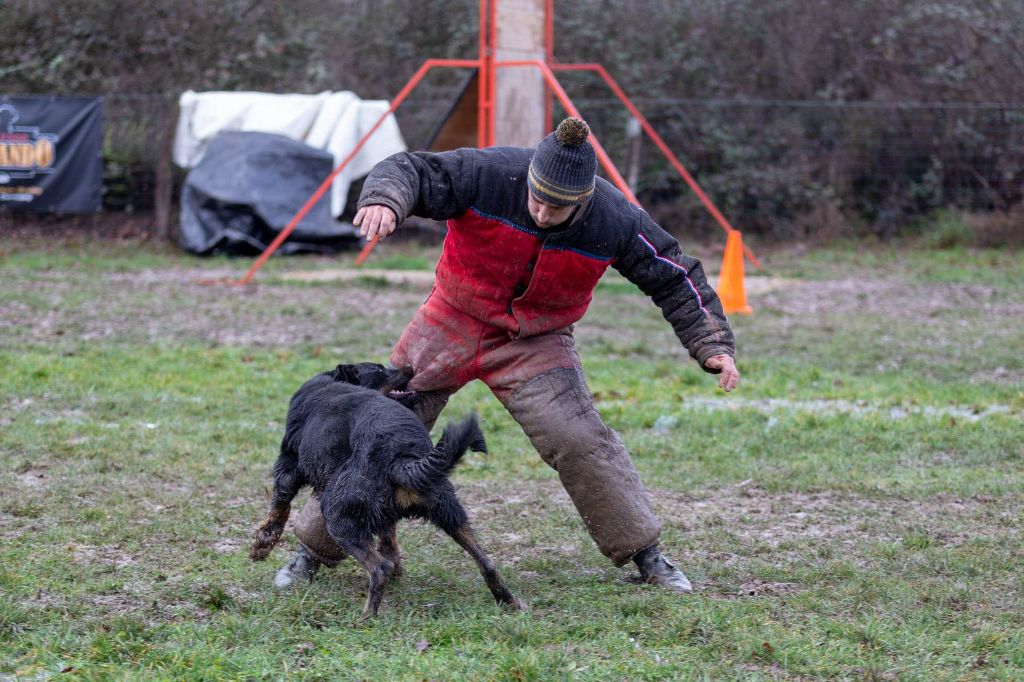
[(731, 289)]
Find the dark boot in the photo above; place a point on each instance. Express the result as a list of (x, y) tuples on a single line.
[(302, 565), (657, 570)]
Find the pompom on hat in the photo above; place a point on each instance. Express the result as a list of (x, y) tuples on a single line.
[(563, 167)]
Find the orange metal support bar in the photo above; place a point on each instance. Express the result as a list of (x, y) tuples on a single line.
[(660, 143), (481, 79), (485, 74), (492, 47), (602, 156), (403, 93)]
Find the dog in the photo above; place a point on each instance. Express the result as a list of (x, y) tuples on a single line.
[(352, 436)]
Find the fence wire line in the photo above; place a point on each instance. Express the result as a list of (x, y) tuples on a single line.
[(764, 161), (801, 103), (703, 101)]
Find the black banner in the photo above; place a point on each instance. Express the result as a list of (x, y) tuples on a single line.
[(51, 153)]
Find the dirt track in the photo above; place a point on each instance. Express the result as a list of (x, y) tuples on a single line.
[(63, 309)]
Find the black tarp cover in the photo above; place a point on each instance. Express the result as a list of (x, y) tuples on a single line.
[(248, 186)]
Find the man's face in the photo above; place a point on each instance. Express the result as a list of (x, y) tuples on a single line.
[(547, 215)]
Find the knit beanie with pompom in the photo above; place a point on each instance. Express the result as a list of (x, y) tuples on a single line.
[(563, 167)]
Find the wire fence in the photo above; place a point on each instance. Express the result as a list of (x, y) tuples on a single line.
[(135, 132), (770, 165)]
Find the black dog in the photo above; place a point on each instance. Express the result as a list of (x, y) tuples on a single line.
[(370, 462)]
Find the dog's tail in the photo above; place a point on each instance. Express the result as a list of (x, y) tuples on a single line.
[(424, 473), (459, 437)]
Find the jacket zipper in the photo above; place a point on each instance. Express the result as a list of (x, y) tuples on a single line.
[(531, 268)]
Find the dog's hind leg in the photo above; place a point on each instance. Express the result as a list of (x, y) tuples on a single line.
[(448, 515), (495, 583), (356, 541), (377, 568), (388, 547)]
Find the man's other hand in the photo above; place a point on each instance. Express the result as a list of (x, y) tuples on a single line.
[(375, 220), (730, 376)]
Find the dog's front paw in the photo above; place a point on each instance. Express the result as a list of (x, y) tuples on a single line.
[(264, 540)]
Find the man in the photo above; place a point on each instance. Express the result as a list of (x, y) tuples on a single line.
[(529, 235)]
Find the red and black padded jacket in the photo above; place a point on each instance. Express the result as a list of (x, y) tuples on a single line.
[(498, 267)]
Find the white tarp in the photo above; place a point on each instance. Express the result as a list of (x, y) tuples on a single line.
[(332, 121)]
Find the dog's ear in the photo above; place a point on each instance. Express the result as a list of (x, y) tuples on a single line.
[(346, 373)]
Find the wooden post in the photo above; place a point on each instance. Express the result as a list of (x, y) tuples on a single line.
[(519, 92), (164, 187)]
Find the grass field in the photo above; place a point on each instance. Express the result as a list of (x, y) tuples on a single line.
[(852, 511)]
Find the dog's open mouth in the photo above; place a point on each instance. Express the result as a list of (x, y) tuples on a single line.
[(398, 395)]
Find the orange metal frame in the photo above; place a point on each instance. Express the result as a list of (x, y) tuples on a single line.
[(486, 64)]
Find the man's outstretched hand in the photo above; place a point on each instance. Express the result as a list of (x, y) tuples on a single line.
[(730, 376), (375, 220)]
